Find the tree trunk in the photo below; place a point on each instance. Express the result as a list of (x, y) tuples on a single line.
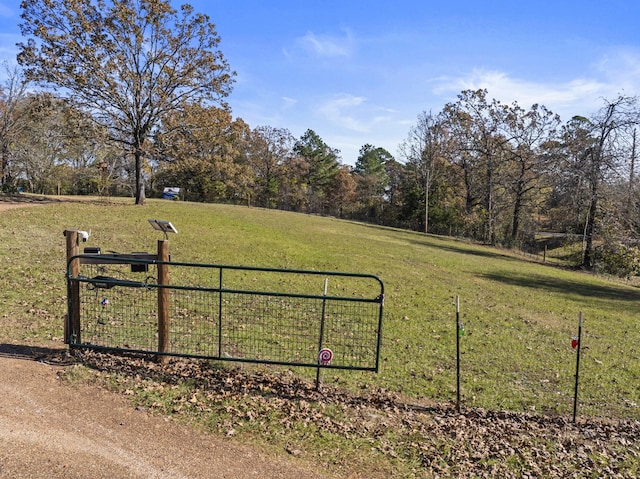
[(517, 205), (590, 229), (140, 194), (587, 259), (141, 197), (426, 202), (5, 166), (489, 227), (632, 172), (516, 217)]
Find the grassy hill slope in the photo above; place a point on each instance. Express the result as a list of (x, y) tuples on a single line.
[(519, 315)]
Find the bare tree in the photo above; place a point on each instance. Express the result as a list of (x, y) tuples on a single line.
[(477, 127), (128, 62), (603, 159), (425, 147), (527, 131), (12, 111)]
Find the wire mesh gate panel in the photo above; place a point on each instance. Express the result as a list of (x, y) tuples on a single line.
[(226, 312)]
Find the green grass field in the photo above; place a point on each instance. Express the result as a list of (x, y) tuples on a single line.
[(519, 315)]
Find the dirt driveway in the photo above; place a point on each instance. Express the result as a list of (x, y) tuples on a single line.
[(49, 429)]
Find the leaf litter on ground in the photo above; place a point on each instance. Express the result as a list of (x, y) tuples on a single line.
[(416, 439)]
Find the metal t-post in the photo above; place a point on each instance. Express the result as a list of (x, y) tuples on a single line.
[(575, 391), (458, 353), (321, 338)]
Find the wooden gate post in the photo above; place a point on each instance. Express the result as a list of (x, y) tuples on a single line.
[(163, 299), (72, 322)]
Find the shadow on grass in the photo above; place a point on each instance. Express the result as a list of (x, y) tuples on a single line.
[(445, 243), (567, 287), (27, 198), (471, 251)]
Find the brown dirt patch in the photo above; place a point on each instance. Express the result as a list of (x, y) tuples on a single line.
[(8, 206), (8, 201), (49, 429)]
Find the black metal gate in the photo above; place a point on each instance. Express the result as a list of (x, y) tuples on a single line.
[(234, 313)]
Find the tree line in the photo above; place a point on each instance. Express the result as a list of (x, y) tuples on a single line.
[(129, 96)]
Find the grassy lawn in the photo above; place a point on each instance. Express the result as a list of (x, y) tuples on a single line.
[(519, 315)]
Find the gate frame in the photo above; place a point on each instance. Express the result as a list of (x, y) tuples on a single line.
[(162, 261)]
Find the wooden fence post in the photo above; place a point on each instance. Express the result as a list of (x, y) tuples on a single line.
[(163, 299)]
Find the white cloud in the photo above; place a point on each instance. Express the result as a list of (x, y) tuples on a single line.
[(577, 96), (622, 69), (354, 113), (341, 110), (614, 74), (328, 45), (288, 102)]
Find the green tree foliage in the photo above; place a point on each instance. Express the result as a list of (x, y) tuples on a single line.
[(128, 62), (322, 168), (480, 169), (567, 204), (371, 161), (41, 147), (399, 207), (371, 180)]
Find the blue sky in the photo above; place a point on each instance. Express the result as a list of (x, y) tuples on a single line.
[(360, 72)]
